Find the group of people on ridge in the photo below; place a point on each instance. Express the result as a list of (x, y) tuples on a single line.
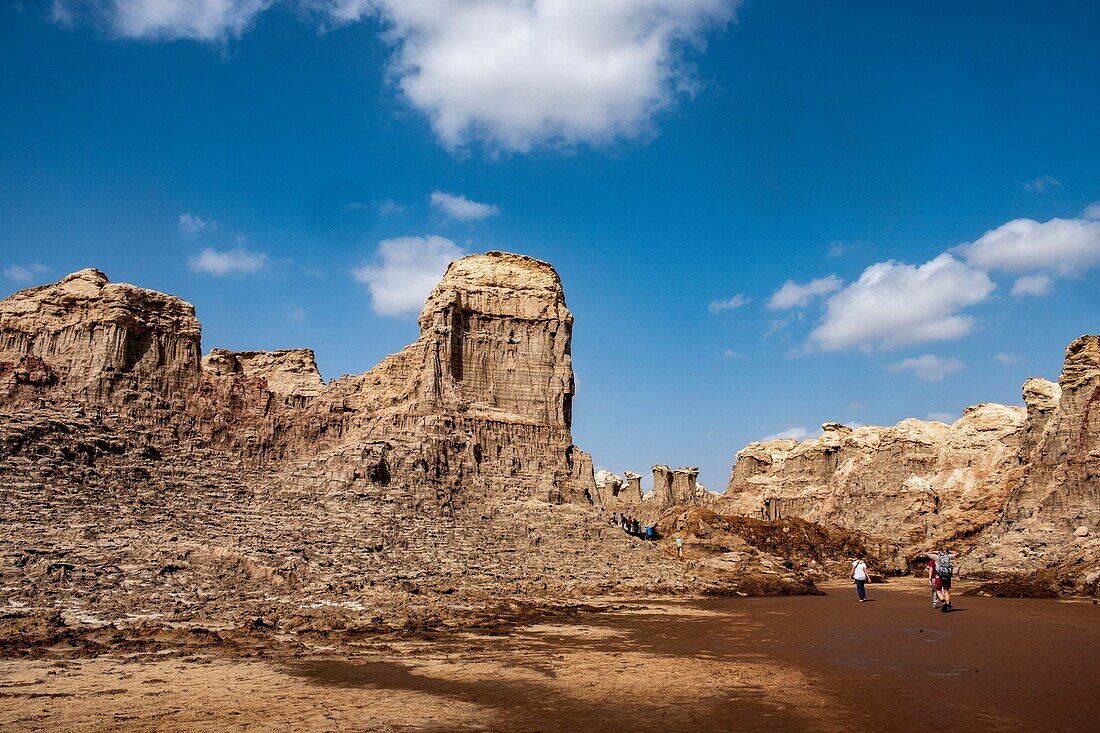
[(632, 526), (941, 568)]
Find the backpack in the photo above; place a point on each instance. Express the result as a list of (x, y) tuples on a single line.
[(944, 568)]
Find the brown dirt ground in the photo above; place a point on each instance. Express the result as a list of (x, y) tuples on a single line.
[(818, 663)]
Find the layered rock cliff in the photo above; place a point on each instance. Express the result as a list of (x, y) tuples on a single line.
[(137, 478), (89, 339), (1012, 484)]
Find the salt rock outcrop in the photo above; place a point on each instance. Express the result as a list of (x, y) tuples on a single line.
[(608, 486), (480, 405), (1052, 514), (87, 338), (1012, 485), (911, 482), (288, 372), (632, 493), (137, 479)]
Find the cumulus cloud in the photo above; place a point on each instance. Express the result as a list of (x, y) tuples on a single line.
[(1008, 358), (198, 20), (894, 304), (1042, 184), (461, 208), (513, 74), (1091, 212), (1026, 245), (25, 273), (717, 306), (517, 74), (794, 295), (1032, 285), (796, 433), (237, 261), (928, 367), (190, 224), (405, 271)]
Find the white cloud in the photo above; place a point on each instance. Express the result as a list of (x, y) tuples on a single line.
[(1091, 212), (237, 261), (388, 207), (1032, 285), (946, 417), (793, 295), (25, 273), (1042, 184), (406, 270), (717, 306), (518, 74), (839, 249), (462, 208), (514, 74), (894, 304), (928, 367), (731, 354), (198, 20), (190, 224), (796, 433), (1023, 245), (1008, 358)]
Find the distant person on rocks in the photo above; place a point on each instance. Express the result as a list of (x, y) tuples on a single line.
[(859, 575), (649, 532), (637, 527), (679, 546), (945, 570)]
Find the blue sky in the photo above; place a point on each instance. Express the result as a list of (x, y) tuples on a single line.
[(919, 173)]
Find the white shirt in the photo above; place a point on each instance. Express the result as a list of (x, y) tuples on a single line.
[(859, 570)]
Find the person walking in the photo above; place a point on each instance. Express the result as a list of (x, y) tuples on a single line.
[(679, 546), (945, 569), (932, 581), (859, 575)]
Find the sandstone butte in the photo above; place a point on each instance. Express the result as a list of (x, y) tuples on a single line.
[(142, 480)]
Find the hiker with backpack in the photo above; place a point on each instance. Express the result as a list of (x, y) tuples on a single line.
[(945, 569)]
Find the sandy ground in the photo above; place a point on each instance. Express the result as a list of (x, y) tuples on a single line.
[(822, 663)]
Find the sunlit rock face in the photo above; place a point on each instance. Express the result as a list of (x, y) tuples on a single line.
[(1019, 487), (913, 481), (87, 338)]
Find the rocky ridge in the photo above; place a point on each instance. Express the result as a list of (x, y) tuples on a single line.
[(142, 483), (1012, 485)]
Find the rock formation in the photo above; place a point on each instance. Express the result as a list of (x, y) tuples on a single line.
[(633, 491), (90, 339), (1012, 484), (287, 373), (138, 478)]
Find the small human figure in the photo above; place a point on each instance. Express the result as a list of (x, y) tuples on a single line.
[(945, 569), (679, 546), (859, 575), (637, 527), (932, 582)]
